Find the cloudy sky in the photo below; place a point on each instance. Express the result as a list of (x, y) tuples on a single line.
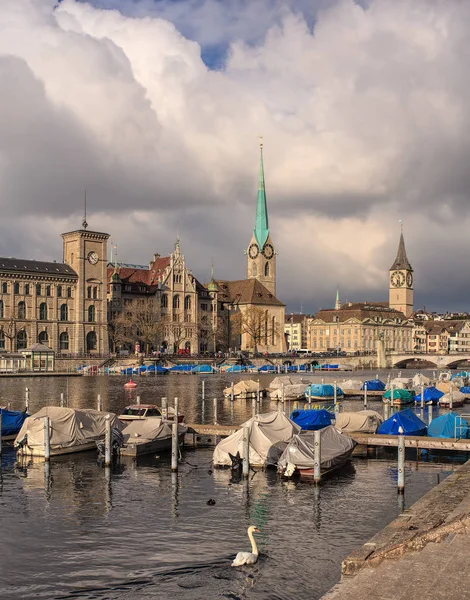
[(155, 108)]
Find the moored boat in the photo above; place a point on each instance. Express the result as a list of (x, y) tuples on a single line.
[(401, 397), (452, 399), (323, 391), (431, 396), (148, 436), (404, 422), (12, 420), (140, 412)]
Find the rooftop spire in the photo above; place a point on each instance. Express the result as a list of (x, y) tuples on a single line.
[(338, 301), (401, 261), (261, 221)]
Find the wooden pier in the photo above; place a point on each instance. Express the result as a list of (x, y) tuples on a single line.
[(412, 441), (207, 435)]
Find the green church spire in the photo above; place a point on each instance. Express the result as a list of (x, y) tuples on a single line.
[(261, 222)]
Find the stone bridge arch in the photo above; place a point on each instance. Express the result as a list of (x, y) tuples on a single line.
[(413, 362)]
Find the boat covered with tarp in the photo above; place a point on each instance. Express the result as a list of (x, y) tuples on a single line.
[(70, 430), (247, 388), (431, 395), (180, 369), (450, 425), (299, 456), (156, 369), (452, 399), (280, 381), (405, 383), (311, 419), (237, 369), (400, 396), (322, 391), (465, 390), (363, 421), (420, 379), (373, 385), (148, 436), (267, 368), (12, 420), (403, 422), (295, 391), (351, 384), (269, 434), (203, 369)]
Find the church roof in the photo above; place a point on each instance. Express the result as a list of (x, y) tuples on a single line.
[(360, 311), (36, 266), (261, 229), (246, 291), (401, 261)]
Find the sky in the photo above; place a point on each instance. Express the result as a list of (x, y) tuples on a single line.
[(155, 108)]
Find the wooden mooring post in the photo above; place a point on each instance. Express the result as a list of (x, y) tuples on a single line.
[(99, 402), (164, 408), (203, 393), (47, 439), (401, 464)]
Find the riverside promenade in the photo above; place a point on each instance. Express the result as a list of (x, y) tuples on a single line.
[(423, 554)]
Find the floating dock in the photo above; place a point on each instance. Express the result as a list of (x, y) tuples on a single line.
[(412, 441)]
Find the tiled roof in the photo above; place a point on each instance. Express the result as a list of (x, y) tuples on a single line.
[(360, 311), (138, 274), (246, 291), (36, 266)]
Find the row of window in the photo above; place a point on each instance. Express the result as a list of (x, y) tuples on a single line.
[(47, 289), (254, 270), (43, 338), (43, 312), (176, 301)]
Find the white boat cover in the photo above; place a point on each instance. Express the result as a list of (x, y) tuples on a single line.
[(457, 398), (142, 431), (404, 383), (416, 381), (335, 449), (68, 426), (278, 382), (444, 386), (365, 421), (351, 384), (291, 392), (243, 387), (269, 433)]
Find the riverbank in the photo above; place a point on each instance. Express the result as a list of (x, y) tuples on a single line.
[(422, 554)]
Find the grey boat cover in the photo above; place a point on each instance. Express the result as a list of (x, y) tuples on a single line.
[(243, 387), (291, 392), (278, 382), (351, 384), (335, 449), (68, 427), (365, 421), (269, 434), (418, 378), (457, 397), (404, 383), (142, 431)]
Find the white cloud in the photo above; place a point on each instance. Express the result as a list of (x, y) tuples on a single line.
[(364, 119)]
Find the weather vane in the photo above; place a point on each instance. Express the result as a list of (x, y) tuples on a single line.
[(260, 141)]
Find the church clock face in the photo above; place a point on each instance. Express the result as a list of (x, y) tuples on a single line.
[(253, 251), (92, 258), (397, 279), (268, 251), (409, 279)]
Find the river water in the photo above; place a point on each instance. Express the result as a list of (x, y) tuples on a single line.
[(76, 530)]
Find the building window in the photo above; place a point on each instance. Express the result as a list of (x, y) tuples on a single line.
[(64, 341), (2, 340), (64, 312), (95, 292), (266, 270), (91, 341), (69, 292), (91, 314), (16, 288), (21, 340), (88, 292), (176, 301), (38, 289), (26, 289), (21, 310), (254, 270), (43, 338), (42, 311), (204, 307), (48, 290), (187, 303), (59, 291), (1, 309), (164, 301), (4, 287)]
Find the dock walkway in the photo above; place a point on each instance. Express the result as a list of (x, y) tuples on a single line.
[(422, 554)]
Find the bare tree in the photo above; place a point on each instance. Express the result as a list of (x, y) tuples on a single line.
[(9, 331), (256, 326)]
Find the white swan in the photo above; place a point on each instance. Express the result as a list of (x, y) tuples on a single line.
[(248, 558)]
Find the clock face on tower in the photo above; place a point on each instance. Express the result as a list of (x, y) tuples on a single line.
[(409, 279), (397, 279), (92, 258), (268, 251), (253, 251)]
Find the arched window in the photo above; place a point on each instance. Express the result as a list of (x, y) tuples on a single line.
[(64, 312), (64, 341), (266, 270), (164, 301), (91, 314), (1, 309), (2, 340), (187, 303), (43, 338), (59, 291), (91, 341), (176, 301), (21, 310), (21, 340), (254, 270), (42, 311), (16, 288)]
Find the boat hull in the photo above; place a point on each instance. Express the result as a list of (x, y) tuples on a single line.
[(38, 451), (158, 445)]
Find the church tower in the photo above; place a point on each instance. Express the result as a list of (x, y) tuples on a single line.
[(261, 253), (401, 281)]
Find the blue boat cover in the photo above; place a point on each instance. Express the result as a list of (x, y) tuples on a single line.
[(374, 385), (323, 390), (465, 389), (203, 369), (127, 371), (445, 426), (327, 366), (237, 369), (461, 374), (12, 420), (431, 394), (410, 423), (312, 419), (266, 368), (181, 368), (156, 368)]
